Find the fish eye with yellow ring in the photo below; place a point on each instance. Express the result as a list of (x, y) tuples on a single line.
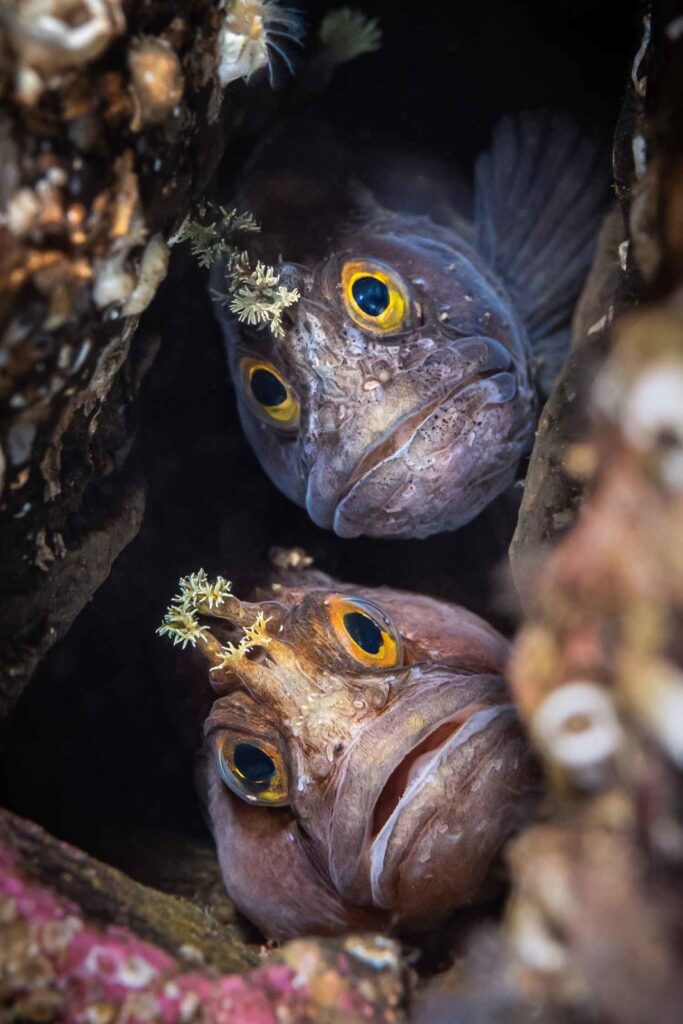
[(253, 769), (375, 296), (269, 394), (364, 631)]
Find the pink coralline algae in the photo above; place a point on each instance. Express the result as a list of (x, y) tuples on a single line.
[(56, 965)]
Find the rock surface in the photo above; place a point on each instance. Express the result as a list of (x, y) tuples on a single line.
[(60, 961), (109, 129)]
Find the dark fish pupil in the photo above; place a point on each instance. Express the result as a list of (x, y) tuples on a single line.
[(364, 632), (253, 764), (371, 295), (267, 389)]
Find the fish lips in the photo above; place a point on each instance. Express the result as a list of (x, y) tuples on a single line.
[(436, 850), (383, 494), (396, 781)]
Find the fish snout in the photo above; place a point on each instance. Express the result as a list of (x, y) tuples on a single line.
[(444, 814), (418, 776), (432, 465)]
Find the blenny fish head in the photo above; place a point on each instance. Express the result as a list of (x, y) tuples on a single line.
[(398, 402), (364, 764)]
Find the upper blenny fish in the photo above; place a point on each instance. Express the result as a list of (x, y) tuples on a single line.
[(404, 391), (363, 763)]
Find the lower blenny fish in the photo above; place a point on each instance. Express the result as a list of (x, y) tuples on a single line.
[(404, 391), (363, 764)]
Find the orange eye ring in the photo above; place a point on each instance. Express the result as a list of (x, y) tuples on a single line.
[(364, 631), (269, 394), (252, 768), (375, 297)]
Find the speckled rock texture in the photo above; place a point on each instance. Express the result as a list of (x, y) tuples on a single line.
[(110, 126), (593, 924), (61, 962), (591, 929)]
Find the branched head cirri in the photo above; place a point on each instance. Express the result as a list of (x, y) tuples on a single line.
[(363, 762)]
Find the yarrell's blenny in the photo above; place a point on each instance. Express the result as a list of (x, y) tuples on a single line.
[(432, 316)]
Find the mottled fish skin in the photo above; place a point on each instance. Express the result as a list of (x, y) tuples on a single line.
[(357, 831), (400, 436), (410, 431)]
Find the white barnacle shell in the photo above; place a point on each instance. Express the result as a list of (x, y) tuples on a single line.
[(655, 694), (536, 947), (52, 35), (653, 413), (577, 727)]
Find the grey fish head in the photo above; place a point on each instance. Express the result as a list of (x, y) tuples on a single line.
[(394, 771), (402, 432), (399, 401)]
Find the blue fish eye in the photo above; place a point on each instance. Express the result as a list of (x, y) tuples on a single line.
[(364, 632), (267, 389), (370, 295), (253, 764)]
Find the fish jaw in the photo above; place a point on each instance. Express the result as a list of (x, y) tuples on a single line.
[(434, 468), (435, 851), (263, 858), (449, 757)]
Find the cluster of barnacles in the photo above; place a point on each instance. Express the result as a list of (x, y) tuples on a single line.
[(254, 294), (196, 595)]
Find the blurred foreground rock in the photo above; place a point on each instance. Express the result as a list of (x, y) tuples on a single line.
[(593, 927), (81, 950), (109, 128)]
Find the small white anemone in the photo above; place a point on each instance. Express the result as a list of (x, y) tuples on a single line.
[(577, 726), (254, 32)]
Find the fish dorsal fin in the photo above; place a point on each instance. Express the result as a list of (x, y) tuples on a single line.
[(540, 195)]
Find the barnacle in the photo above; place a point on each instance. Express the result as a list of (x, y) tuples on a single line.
[(347, 33), (52, 36), (156, 80), (253, 31), (577, 726)]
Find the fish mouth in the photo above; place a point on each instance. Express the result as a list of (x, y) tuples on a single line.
[(413, 773), (400, 436), (406, 771)]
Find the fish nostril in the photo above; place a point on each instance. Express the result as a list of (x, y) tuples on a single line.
[(290, 276)]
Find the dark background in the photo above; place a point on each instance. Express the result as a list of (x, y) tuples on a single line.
[(97, 747)]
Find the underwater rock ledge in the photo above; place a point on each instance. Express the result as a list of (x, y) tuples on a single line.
[(61, 962), (110, 129)]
